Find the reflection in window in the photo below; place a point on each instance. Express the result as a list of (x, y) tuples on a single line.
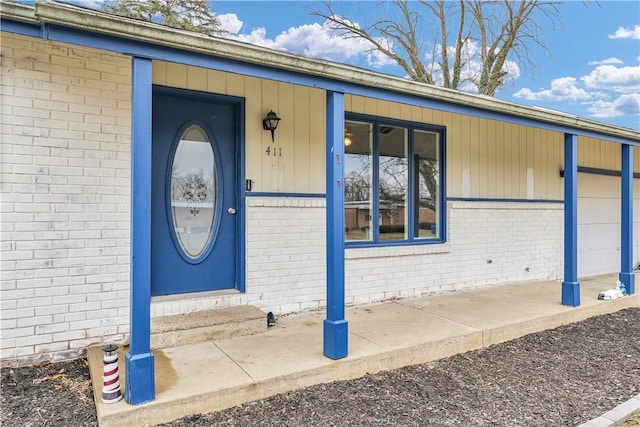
[(193, 191), (393, 183), (358, 179), (426, 149), (403, 162)]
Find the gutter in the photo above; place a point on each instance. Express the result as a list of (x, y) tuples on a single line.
[(99, 22)]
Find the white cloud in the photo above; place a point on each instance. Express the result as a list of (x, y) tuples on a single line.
[(607, 61), (626, 33), (626, 104), (562, 89), (230, 22), (622, 79), (313, 41)]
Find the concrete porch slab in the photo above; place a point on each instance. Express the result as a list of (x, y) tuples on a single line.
[(222, 373)]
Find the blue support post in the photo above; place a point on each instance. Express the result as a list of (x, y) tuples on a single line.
[(626, 266), (139, 361), (335, 339), (570, 284)]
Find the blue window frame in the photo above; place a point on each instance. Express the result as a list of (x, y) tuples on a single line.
[(394, 182)]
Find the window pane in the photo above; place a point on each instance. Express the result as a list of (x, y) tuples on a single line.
[(358, 173), (393, 183), (193, 191), (427, 166)]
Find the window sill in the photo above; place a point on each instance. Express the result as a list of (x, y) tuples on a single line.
[(396, 251)]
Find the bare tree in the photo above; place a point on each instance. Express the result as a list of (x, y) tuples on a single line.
[(190, 15), (464, 44)]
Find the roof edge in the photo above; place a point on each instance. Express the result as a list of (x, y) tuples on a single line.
[(100, 22), (18, 12)]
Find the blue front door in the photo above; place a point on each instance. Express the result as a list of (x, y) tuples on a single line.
[(194, 200)]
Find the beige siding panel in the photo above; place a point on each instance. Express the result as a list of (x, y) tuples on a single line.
[(235, 85), (382, 108), (492, 160), (301, 140), (177, 75), (500, 160), (537, 159), (317, 142), (482, 159), (286, 139), (357, 104), (370, 106), (454, 153), (348, 103), (254, 131), (394, 111), (427, 116), (522, 170), (476, 141), (405, 112), (216, 81), (197, 78), (269, 161), (508, 161), (159, 70), (636, 159), (416, 114)]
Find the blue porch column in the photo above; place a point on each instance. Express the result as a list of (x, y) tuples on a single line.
[(570, 284), (139, 362), (335, 338), (626, 268)]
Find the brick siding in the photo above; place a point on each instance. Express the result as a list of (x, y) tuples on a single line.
[(65, 198)]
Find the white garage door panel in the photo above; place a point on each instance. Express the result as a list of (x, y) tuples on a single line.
[(598, 211), (599, 236), (599, 224)]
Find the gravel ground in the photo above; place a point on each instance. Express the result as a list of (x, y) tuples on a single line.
[(560, 377)]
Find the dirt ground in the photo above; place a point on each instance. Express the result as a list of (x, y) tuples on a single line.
[(560, 377)]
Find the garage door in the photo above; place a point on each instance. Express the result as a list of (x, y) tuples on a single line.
[(599, 224)]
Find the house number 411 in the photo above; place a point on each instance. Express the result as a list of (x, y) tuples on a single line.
[(274, 151)]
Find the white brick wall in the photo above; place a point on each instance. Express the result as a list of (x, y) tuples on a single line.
[(286, 253), (513, 236), (65, 175)]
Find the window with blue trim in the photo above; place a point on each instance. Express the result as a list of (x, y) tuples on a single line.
[(394, 186)]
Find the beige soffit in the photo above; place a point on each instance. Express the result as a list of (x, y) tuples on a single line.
[(94, 21)]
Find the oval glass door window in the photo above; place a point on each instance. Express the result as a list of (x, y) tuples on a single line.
[(193, 191)]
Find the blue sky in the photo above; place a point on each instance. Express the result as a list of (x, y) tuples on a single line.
[(592, 68)]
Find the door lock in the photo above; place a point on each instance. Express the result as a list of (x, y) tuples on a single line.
[(231, 211)]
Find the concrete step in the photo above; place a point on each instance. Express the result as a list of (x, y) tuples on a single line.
[(202, 326)]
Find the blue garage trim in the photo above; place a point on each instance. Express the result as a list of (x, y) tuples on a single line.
[(273, 194), (481, 199), (570, 284), (627, 275), (335, 332), (598, 171), (135, 48), (139, 361)]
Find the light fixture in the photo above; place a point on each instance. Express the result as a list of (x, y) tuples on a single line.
[(270, 122), (347, 139)]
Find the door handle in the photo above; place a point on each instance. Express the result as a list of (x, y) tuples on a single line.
[(231, 211)]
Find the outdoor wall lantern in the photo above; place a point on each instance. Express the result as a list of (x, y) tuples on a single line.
[(270, 122)]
